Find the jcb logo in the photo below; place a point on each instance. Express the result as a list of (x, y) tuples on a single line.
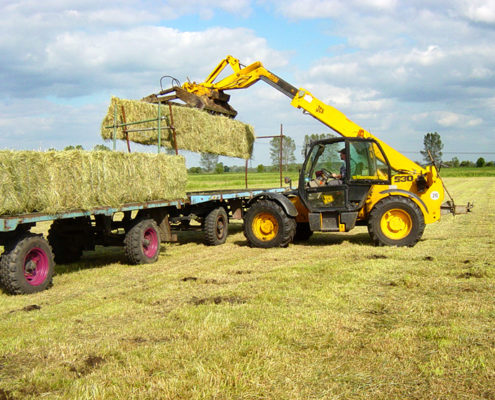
[(319, 109)]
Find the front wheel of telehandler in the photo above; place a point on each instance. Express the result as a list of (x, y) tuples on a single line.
[(267, 225), (396, 221)]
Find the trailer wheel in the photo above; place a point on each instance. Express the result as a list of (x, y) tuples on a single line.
[(267, 225), (68, 238), (216, 227), (142, 242), (303, 232), (27, 265), (396, 221)]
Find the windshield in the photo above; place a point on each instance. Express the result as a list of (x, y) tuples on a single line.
[(328, 161), (324, 157)]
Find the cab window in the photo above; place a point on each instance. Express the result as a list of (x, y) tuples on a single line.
[(367, 162)]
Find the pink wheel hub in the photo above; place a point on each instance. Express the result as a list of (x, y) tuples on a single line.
[(36, 266), (150, 243)]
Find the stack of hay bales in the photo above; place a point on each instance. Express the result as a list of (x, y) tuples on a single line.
[(196, 130), (56, 181)]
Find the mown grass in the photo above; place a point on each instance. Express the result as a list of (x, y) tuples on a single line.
[(237, 180), (332, 318), (467, 172)]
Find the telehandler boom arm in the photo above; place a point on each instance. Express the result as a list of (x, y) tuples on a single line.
[(245, 76)]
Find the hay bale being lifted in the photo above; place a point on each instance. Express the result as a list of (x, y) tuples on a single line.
[(196, 130), (57, 181)]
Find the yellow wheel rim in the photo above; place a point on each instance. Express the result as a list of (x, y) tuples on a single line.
[(396, 224), (265, 226)]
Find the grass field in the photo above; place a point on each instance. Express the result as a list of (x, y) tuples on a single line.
[(332, 318), (238, 180), (272, 179)]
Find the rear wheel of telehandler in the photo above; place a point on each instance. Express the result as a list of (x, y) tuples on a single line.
[(216, 227), (267, 225), (142, 242), (396, 221), (27, 265)]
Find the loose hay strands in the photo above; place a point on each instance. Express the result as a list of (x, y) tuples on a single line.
[(57, 181), (196, 130)]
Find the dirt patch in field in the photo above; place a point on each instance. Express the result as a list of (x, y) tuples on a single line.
[(242, 272), (32, 307), (90, 363), (93, 361), (428, 258), (218, 300), (136, 340), (189, 279), (206, 281), (6, 395), (377, 257), (472, 274)]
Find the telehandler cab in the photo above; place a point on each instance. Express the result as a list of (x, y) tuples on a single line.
[(381, 188)]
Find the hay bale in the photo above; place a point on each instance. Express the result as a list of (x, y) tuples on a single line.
[(196, 130), (57, 181)]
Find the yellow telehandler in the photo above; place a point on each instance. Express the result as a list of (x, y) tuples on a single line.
[(354, 180)]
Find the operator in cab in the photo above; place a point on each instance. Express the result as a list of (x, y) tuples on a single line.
[(339, 178)]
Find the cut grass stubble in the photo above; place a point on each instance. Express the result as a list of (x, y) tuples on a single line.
[(334, 317)]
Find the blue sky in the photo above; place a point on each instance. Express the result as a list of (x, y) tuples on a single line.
[(400, 69)]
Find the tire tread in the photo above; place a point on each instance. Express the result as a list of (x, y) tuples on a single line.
[(287, 228)]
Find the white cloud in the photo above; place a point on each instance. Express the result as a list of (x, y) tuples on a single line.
[(478, 10), (308, 9), (400, 69), (204, 8), (448, 119), (74, 63)]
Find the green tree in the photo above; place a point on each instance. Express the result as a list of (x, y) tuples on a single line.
[(455, 162), (260, 168), (101, 147), (288, 148), (480, 162), (311, 138), (466, 163), (208, 161), (77, 147), (219, 168), (432, 145)]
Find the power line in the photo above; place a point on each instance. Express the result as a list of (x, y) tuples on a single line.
[(453, 152)]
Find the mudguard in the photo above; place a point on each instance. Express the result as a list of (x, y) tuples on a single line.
[(282, 200)]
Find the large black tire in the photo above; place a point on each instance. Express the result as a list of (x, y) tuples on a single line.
[(68, 238), (396, 221), (27, 265), (142, 242), (267, 225), (303, 232), (216, 227)]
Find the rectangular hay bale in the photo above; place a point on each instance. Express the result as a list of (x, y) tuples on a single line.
[(196, 130), (57, 181)]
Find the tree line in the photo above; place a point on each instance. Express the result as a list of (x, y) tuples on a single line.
[(432, 153)]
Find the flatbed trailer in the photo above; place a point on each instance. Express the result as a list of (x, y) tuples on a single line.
[(28, 260)]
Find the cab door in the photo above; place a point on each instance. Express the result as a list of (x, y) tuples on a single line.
[(336, 178)]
